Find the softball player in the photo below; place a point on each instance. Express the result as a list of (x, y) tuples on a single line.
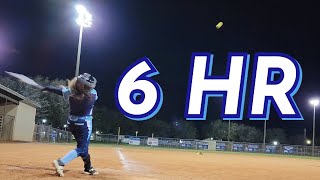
[(81, 96)]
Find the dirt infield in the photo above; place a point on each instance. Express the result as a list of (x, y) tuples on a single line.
[(33, 161)]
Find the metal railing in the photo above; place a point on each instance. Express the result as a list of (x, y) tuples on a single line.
[(300, 150)]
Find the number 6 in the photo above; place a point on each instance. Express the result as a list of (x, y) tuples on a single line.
[(136, 81)]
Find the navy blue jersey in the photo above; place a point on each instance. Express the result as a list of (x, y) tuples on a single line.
[(82, 107)]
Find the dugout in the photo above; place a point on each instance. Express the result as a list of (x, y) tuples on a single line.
[(17, 116)]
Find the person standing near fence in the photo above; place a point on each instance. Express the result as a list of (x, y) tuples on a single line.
[(54, 135), (81, 96)]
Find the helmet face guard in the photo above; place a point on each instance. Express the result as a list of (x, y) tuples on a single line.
[(87, 79)]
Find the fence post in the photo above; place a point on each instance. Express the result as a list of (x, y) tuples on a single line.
[(118, 136)]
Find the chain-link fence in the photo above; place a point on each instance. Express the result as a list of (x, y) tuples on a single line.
[(6, 127), (209, 144), (53, 135), (269, 148), (49, 134)]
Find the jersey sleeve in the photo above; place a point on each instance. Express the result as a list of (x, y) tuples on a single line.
[(94, 93), (53, 89), (66, 93)]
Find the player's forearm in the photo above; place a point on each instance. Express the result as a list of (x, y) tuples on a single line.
[(54, 90)]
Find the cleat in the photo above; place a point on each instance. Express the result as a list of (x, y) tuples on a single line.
[(91, 171), (59, 169)]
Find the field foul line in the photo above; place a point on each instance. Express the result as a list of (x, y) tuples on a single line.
[(131, 166), (124, 161)]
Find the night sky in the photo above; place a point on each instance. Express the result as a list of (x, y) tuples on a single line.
[(41, 37)]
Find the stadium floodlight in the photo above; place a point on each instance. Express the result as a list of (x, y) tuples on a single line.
[(44, 121), (308, 141), (314, 102), (275, 143), (84, 17), (84, 20)]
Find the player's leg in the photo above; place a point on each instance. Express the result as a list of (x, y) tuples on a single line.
[(80, 137), (80, 133), (88, 168), (60, 163)]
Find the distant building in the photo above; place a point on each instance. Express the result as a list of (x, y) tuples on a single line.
[(17, 116)]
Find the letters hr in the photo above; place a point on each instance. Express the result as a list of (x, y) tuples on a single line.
[(232, 87)]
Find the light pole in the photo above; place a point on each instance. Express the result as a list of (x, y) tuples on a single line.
[(84, 20), (229, 131), (65, 129), (43, 121), (305, 140), (314, 102), (97, 132), (264, 135)]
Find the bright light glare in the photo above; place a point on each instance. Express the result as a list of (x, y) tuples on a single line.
[(308, 142), (84, 17), (314, 102), (81, 9), (275, 143)]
